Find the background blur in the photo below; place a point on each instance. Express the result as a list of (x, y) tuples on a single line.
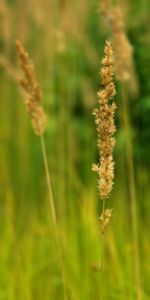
[(65, 39)]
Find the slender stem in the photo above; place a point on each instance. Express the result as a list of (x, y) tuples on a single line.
[(103, 206), (103, 259), (132, 191), (53, 212), (103, 239)]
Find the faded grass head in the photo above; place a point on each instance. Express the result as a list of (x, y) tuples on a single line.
[(123, 58), (32, 90)]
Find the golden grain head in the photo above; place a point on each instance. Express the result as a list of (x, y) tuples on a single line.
[(105, 126), (31, 87)]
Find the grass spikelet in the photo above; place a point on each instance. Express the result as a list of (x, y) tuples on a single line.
[(104, 120), (32, 90)]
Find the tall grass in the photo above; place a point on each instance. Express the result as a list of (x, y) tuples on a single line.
[(67, 66), (32, 101), (123, 67)]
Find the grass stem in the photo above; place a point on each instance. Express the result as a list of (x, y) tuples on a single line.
[(53, 212), (132, 190)]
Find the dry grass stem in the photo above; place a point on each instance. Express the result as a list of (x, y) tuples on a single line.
[(53, 211)]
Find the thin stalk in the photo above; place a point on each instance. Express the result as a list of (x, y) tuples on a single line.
[(103, 206), (132, 191), (103, 239), (53, 212), (103, 259)]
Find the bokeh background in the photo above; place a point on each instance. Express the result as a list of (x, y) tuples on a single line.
[(65, 39)]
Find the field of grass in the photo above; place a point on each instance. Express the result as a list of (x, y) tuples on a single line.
[(65, 40)]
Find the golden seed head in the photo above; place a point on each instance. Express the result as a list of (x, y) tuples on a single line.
[(32, 90), (105, 126)]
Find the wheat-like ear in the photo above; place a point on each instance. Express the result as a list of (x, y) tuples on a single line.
[(32, 90), (104, 119)]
